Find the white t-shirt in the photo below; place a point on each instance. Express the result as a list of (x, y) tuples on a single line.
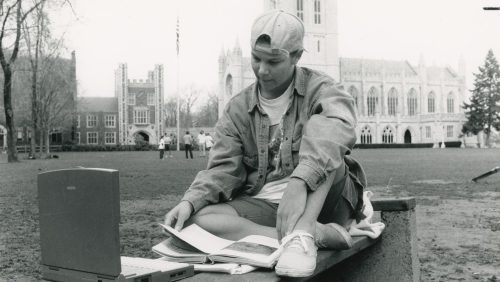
[(275, 108), (201, 139), (161, 144), (209, 141)]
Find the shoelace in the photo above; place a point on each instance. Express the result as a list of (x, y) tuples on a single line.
[(297, 236)]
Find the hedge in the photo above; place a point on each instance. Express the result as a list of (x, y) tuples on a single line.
[(150, 147), (109, 148), (451, 144)]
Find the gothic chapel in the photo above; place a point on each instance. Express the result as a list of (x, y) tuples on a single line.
[(397, 102)]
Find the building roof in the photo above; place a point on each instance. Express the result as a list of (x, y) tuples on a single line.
[(371, 66), (436, 73), (97, 104), (353, 65)]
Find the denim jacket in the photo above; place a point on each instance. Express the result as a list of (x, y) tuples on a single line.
[(319, 131)]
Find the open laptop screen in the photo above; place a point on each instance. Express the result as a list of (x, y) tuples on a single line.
[(79, 218)]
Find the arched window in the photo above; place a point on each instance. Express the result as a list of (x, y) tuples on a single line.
[(387, 135), (229, 85), (317, 11), (431, 103), (300, 9), (319, 46), (450, 103), (392, 102), (371, 101), (412, 102), (354, 93), (366, 135)]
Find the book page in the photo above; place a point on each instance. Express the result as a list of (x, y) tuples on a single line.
[(254, 248), (169, 248), (231, 268), (198, 238)]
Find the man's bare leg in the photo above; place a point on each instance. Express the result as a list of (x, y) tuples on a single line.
[(223, 221), (314, 203)]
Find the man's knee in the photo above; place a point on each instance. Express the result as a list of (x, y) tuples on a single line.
[(216, 209), (208, 217)]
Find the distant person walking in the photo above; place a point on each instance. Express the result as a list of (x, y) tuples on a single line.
[(161, 147), (201, 143), (168, 142), (174, 140), (188, 144), (209, 141)]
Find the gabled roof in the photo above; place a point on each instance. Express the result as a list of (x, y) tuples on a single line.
[(97, 104), (434, 73), (375, 66)]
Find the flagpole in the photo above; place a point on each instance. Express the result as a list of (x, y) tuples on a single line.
[(178, 87)]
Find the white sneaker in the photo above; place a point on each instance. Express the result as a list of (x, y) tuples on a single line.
[(298, 255)]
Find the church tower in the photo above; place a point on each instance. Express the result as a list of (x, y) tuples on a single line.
[(321, 38), (140, 105)]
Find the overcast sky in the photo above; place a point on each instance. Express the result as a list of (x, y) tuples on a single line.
[(142, 33)]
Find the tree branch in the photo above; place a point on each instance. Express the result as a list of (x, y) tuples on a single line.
[(2, 33), (19, 20)]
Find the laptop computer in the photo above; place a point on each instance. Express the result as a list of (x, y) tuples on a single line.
[(79, 235)]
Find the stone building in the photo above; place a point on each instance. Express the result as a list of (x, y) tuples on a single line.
[(396, 101), (135, 112), (401, 103)]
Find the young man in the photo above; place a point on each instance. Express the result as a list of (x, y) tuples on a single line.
[(280, 166), (188, 144), (161, 147), (209, 141)]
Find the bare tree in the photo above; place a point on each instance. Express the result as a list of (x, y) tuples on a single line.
[(208, 113), (12, 17), (43, 52), (189, 100), (55, 97), (35, 33), (171, 112)]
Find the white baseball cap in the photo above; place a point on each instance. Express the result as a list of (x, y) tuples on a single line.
[(285, 31)]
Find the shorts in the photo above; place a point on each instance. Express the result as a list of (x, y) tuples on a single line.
[(167, 147), (339, 206)]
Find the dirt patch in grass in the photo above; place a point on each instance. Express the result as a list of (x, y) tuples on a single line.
[(456, 241)]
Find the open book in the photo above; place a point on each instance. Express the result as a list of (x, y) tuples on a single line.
[(195, 245)]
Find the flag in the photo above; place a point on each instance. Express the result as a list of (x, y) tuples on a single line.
[(177, 35)]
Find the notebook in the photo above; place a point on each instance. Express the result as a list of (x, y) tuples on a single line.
[(79, 236)]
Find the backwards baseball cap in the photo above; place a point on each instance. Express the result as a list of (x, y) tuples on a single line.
[(285, 32)]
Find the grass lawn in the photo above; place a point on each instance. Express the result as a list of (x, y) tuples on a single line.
[(458, 221)]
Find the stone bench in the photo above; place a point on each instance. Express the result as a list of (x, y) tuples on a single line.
[(391, 257)]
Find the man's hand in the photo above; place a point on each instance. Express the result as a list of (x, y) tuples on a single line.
[(292, 206), (178, 215)]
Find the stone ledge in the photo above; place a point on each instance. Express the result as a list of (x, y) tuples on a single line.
[(394, 204)]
